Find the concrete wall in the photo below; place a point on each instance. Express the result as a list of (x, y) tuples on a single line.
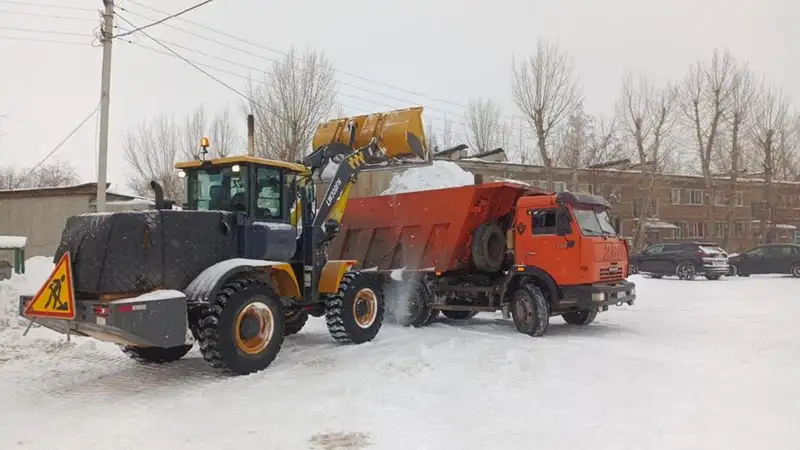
[(41, 219)]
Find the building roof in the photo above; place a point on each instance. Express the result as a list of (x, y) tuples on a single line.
[(89, 189)]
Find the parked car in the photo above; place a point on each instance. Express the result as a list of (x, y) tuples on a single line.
[(685, 260), (767, 259)]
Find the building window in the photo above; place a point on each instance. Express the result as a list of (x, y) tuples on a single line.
[(559, 186), (675, 196), (696, 197), (719, 229), (739, 198), (739, 229), (682, 231), (616, 192), (585, 188), (697, 229), (719, 199), (652, 212)]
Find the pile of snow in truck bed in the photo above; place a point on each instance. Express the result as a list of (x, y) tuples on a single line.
[(439, 175), (37, 270)]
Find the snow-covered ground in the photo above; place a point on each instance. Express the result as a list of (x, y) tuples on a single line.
[(693, 365)]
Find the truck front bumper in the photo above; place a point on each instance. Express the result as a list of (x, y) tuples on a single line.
[(155, 321), (602, 295)]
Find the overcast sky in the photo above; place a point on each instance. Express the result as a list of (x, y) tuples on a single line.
[(450, 50)]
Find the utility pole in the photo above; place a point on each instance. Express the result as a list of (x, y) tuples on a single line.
[(106, 34)]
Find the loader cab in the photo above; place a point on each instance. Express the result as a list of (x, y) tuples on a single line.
[(260, 189), (261, 194)]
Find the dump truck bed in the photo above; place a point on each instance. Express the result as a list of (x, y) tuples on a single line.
[(425, 230)]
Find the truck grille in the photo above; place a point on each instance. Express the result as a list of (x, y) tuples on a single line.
[(611, 273)]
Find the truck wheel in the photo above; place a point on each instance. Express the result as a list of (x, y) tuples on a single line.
[(416, 311), (685, 271), (583, 317), (432, 317), (796, 270), (242, 330), (295, 322), (459, 315), (530, 310), (355, 314), (155, 355), (713, 277), (488, 247)]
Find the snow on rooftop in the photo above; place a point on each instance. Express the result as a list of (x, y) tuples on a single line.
[(13, 241), (439, 175)]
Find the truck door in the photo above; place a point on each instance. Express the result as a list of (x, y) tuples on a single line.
[(538, 245)]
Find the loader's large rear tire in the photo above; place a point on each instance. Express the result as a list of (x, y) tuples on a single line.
[(241, 331), (459, 315), (156, 355), (488, 247), (295, 322), (583, 317), (355, 313), (530, 310)]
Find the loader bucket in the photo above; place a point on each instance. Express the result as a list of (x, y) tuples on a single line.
[(400, 132)]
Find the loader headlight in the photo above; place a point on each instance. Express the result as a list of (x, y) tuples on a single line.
[(598, 296), (181, 174)]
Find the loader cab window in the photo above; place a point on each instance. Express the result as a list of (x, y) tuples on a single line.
[(271, 190), (218, 189)]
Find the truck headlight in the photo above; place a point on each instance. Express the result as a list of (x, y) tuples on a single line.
[(598, 296)]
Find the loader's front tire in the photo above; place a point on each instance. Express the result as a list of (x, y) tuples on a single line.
[(242, 330), (354, 314), (156, 355), (295, 322), (530, 310)]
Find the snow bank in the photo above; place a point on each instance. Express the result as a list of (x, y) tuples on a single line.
[(37, 269), (439, 175)]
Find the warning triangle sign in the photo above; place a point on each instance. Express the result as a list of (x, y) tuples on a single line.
[(56, 298)]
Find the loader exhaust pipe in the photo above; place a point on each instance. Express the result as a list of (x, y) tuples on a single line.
[(251, 135), (159, 196)]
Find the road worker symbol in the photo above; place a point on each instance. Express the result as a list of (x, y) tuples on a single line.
[(56, 298)]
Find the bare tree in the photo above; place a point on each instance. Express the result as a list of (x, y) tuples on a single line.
[(485, 129), (431, 138), (646, 115), (546, 91), (223, 135), (297, 94), (57, 173), (768, 125), (150, 151), (585, 142), (705, 100)]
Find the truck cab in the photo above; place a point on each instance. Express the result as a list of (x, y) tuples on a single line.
[(555, 234)]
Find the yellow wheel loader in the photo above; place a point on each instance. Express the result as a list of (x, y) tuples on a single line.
[(241, 265)]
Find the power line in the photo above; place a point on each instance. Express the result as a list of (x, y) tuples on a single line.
[(272, 60), (46, 5), (166, 18), (49, 16), (63, 141), (222, 33), (49, 41), (29, 30)]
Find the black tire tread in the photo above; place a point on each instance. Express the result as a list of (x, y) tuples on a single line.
[(459, 315), (480, 256), (541, 308), (582, 318), (335, 311), (294, 326), (208, 333)]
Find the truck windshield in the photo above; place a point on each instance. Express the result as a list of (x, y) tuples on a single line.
[(594, 222), (217, 189)]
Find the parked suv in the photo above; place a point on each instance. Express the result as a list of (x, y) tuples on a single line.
[(685, 260), (764, 259)]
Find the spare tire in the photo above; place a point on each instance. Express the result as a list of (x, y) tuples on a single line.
[(488, 247)]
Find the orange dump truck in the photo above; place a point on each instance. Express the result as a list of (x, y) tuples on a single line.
[(488, 247)]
